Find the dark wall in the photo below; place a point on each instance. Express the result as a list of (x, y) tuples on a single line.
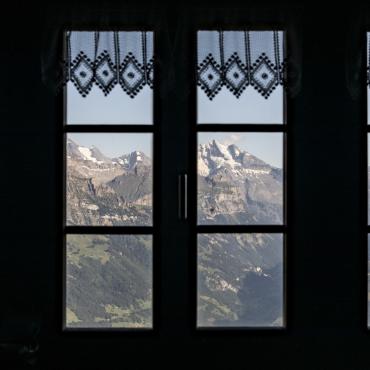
[(327, 242)]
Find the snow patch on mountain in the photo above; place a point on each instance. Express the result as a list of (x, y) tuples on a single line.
[(87, 154), (214, 156)]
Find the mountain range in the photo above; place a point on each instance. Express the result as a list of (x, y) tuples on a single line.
[(108, 191), (235, 187), (240, 276)]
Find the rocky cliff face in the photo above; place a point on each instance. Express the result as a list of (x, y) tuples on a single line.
[(107, 191), (235, 187)]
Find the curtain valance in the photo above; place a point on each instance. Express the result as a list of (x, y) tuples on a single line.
[(238, 59), (107, 59)]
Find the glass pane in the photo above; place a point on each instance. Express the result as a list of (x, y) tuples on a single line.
[(117, 108), (109, 179), (240, 77), (240, 178), (109, 281), (240, 280), (106, 87)]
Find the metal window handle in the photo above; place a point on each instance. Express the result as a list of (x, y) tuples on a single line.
[(183, 196)]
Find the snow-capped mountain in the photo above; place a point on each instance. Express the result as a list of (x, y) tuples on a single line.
[(83, 153), (236, 187), (95, 156), (107, 191), (134, 161), (214, 156)]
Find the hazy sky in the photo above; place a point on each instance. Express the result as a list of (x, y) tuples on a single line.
[(116, 108), (250, 107), (115, 144), (97, 108), (266, 146)]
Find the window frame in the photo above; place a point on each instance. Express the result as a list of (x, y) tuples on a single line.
[(196, 229), (193, 229), (153, 230)]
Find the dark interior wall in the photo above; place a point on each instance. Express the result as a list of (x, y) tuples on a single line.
[(29, 232), (327, 243)]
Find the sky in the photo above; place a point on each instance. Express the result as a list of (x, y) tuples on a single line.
[(265, 146), (250, 107), (115, 108), (115, 144), (118, 108)]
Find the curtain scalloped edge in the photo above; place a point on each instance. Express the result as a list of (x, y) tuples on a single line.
[(108, 62)]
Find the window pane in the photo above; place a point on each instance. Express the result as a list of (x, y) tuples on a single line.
[(117, 108), (110, 77), (109, 179), (240, 280), (240, 178), (240, 77), (109, 281)]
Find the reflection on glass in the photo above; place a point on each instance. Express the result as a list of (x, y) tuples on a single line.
[(240, 280), (109, 281), (240, 178), (109, 179)]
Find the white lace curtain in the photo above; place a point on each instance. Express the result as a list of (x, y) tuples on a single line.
[(238, 59), (231, 59), (107, 59)]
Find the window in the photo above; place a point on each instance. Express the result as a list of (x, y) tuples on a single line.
[(109, 215), (238, 208), (241, 151)]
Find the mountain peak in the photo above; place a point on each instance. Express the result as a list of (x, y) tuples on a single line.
[(228, 151), (93, 155), (215, 156), (134, 160), (218, 150), (234, 150)]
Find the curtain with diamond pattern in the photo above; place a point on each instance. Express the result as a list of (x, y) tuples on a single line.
[(239, 59), (106, 59)]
